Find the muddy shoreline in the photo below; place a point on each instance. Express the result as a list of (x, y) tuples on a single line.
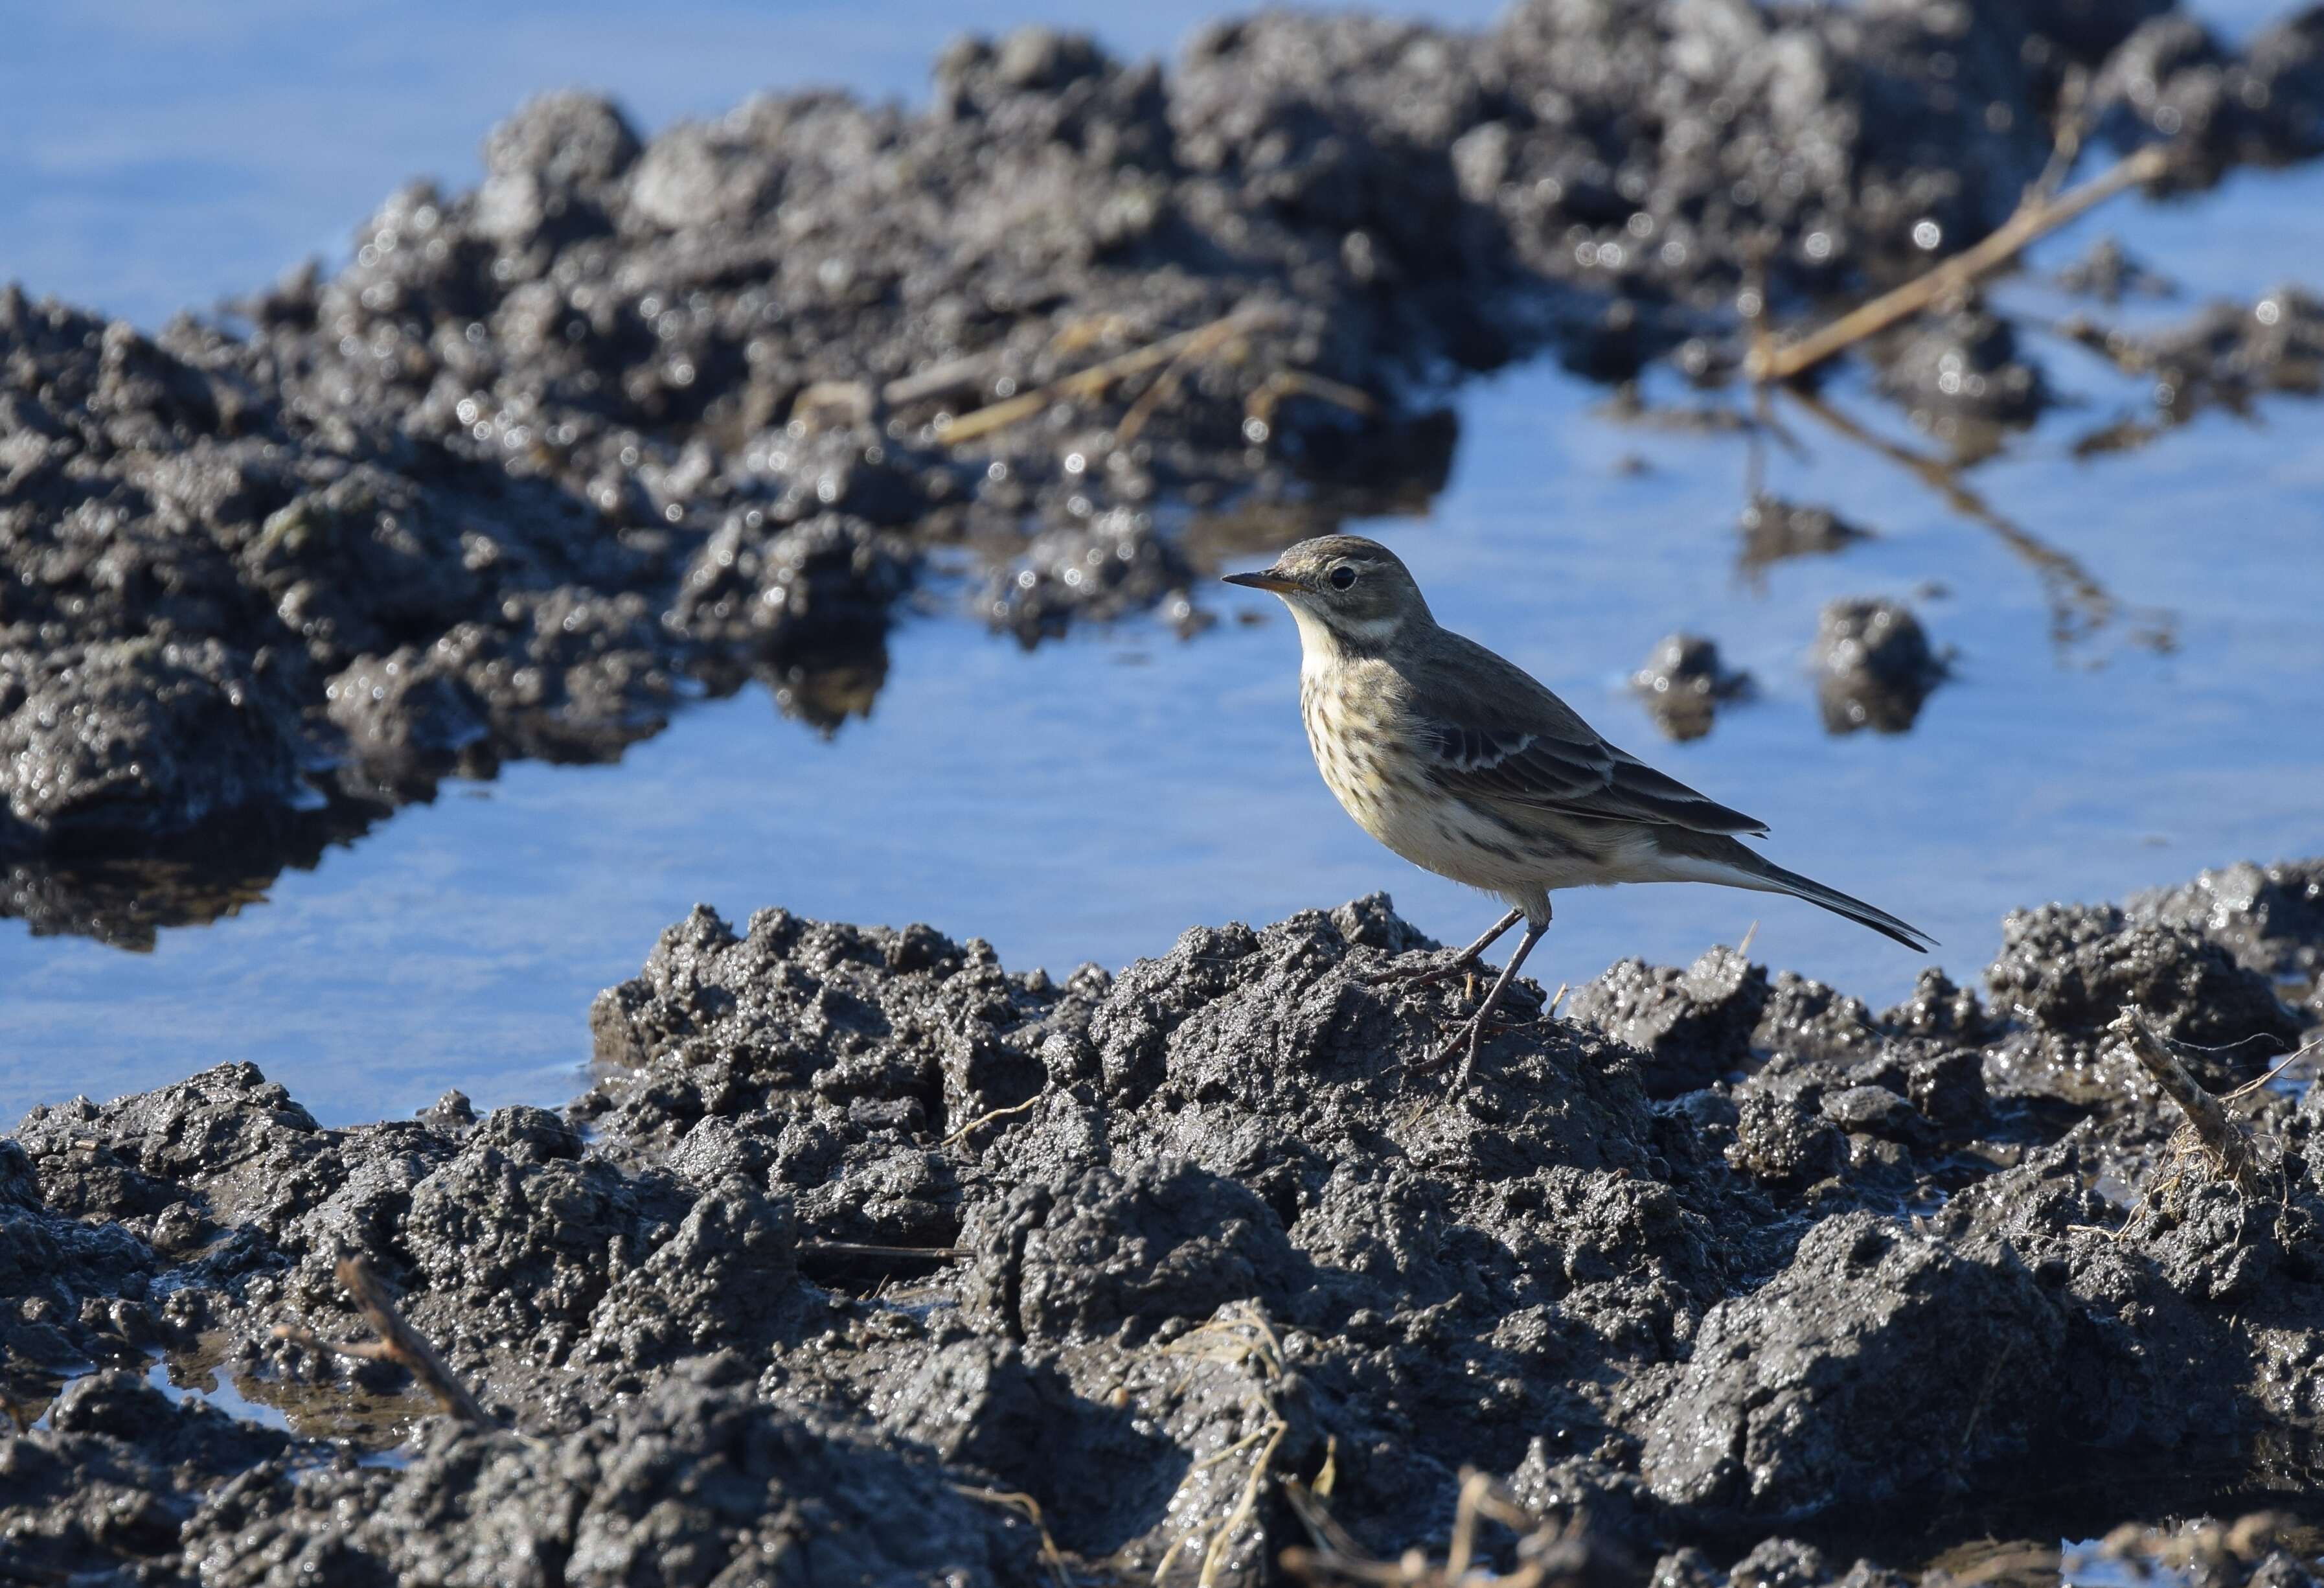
[(1717, 1268), (635, 419)]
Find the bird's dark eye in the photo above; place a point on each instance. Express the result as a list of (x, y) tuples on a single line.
[(1342, 576)]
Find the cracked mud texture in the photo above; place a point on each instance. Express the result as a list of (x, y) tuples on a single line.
[(1722, 1270), (635, 413)]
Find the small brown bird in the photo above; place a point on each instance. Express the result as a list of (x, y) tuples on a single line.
[(1465, 766)]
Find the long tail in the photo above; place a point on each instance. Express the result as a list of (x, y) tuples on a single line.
[(1717, 858), (1864, 915)]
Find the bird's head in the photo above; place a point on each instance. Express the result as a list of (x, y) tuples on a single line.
[(1355, 592)]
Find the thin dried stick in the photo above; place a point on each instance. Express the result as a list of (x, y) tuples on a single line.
[(1262, 402), (1215, 1556), (1209, 340), (2224, 1136), (983, 1120), (2033, 221), (2288, 1061), (1030, 1508), (1092, 381), (1550, 1553), (1474, 1486), (398, 1343), (942, 380), (2073, 124)]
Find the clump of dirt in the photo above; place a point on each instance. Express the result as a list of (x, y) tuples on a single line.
[(1774, 530), (634, 411), (1134, 1273), (1875, 667), (2225, 355), (1686, 682), (2107, 272)]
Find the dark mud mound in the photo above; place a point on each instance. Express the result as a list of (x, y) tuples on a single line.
[(1875, 667), (1684, 683), (632, 413), (1169, 1271)]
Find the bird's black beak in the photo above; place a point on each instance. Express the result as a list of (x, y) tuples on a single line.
[(1264, 579)]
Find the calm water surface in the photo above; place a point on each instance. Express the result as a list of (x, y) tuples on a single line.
[(1090, 799)]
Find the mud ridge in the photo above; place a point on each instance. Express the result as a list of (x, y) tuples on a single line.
[(1137, 1276)]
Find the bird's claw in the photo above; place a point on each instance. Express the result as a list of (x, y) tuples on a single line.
[(1463, 1041)]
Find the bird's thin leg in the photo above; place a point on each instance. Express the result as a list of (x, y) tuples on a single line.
[(1453, 966), (1474, 1032)]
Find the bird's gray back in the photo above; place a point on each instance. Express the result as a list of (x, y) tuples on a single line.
[(1496, 734)]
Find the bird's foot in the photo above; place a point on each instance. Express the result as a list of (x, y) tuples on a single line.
[(1462, 1045)]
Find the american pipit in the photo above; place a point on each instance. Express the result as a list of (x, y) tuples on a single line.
[(1465, 766)]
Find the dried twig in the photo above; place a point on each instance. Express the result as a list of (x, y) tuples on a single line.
[(2225, 1138), (398, 1343), (2282, 1064), (964, 374), (1093, 381), (1204, 344), (1214, 1558), (2034, 219), (983, 1120), (1024, 1505), (1271, 393), (1238, 1337), (1549, 1553), (2073, 121)]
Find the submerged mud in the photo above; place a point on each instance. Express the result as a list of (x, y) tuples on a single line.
[(637, 417), (866, 1259)]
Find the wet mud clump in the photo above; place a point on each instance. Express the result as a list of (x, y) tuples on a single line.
[(1874, 668), (2225, 355), (1684, 683), (1157, 1275), (1773, 530), (638, 414)]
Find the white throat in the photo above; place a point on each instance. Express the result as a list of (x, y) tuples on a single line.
[(1319, 646)]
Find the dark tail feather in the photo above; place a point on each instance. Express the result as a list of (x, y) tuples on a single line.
[(1839, 903)]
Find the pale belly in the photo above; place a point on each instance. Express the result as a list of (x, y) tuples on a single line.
[(1379, 786)]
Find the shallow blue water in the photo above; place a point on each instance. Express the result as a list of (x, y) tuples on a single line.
[(1093, 798)]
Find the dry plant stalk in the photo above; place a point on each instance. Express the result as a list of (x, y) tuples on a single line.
[(1026, 1506), (1238, 1337), (398, 1343), (1549, 1554), (1093, 381), (2034, 219), (983, 1120), (1297, 383), (1206, 343), (2227, 1138)]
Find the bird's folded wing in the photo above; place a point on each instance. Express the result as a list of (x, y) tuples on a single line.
[(1515, 742)]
